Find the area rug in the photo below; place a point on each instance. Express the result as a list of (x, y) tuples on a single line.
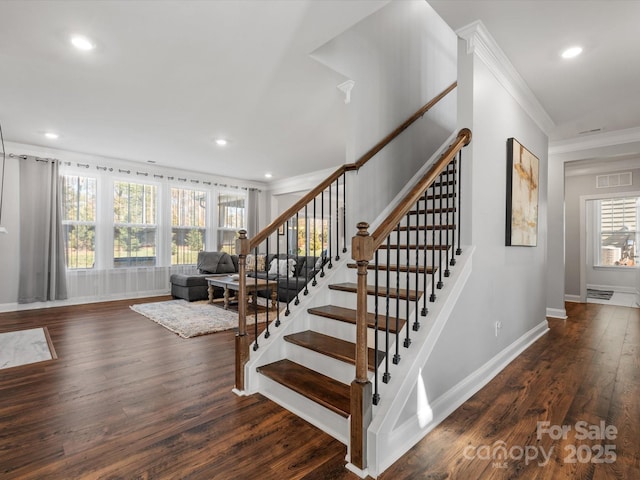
[(600, 294), (23, 347), (191, 319)]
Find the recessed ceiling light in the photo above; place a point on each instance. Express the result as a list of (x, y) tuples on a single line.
[(82, 43), (221, 141), (51, 135), (572, 52), (268, 175)]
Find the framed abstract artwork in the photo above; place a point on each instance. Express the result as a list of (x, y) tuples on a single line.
[(522, 196)]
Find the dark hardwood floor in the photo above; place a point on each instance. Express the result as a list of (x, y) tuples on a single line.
[(127, 399)]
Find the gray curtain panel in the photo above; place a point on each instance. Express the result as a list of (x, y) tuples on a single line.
[(253, 223), (42, 263)]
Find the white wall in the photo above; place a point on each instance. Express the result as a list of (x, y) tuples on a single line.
[(507, 284), (400, 57)]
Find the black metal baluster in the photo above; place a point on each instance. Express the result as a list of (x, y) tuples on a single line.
[(322, 231), (337, 221), (306, 249), (447, 272), (454, 221), (277, 280), (425, 253), (396, 356), (267, 334), (297, 247), (287, 311), (387, 376), (330, 233), (376, 395), (315, 249), (407, 340), (416, 322), (255, 310), (440, 284), (432, 297), (459, 250), (344, 212)]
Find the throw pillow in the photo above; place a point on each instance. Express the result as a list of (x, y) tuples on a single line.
[(284, 267), (255, 263)]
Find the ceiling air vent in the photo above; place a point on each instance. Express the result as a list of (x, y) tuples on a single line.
[(614, 180)]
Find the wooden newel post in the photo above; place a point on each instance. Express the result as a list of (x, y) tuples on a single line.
[(242, 339), (361, 394)]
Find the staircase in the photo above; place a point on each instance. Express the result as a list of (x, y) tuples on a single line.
[(366, 315), (412, 280)]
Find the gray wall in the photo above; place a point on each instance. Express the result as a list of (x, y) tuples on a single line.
[(507, 284), (575, 187)]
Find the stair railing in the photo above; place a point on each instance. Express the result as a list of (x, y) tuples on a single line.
[(441, 187), (322, 201)]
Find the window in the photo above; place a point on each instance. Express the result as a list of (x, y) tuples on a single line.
[(188, 225), (231, 218), (316, 239), (79, 220), (618, 233), (134, 224)]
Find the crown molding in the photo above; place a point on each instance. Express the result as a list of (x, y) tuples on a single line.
[(599, 140), (481, 43)]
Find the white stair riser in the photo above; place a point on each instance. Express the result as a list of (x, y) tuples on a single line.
[(314, 413), (341, 371)]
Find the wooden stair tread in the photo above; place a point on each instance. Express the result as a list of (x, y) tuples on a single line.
[(349, 315), (431, 211), (332, 347), (413, 228), (323, 390), (393, 246), (394, 268), (402, 293)]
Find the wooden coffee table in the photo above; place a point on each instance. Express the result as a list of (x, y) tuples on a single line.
[(253, 286)]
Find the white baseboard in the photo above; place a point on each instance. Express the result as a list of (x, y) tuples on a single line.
[(615, 288), (557, 313), (15, 307), (572, 298)]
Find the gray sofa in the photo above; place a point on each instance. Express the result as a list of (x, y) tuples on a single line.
[(194, 287)]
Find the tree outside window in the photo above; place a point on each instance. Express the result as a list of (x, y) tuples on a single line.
[(188, 225), (135, 224), (79, 220)]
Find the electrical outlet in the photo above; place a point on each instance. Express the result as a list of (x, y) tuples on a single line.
[(498, 327)]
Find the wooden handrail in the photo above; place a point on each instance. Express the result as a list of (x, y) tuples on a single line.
[(384, 230), (386, 140), (291, 211)]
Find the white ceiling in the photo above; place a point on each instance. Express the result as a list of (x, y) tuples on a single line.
[(599, 89), (168, 77)]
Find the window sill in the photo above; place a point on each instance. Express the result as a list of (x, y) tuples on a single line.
[(614, 267)]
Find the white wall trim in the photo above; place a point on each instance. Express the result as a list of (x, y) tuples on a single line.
[(480, 42), (606, 139), (16, 307), (572, 298), (557, 313), (615, 288)]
